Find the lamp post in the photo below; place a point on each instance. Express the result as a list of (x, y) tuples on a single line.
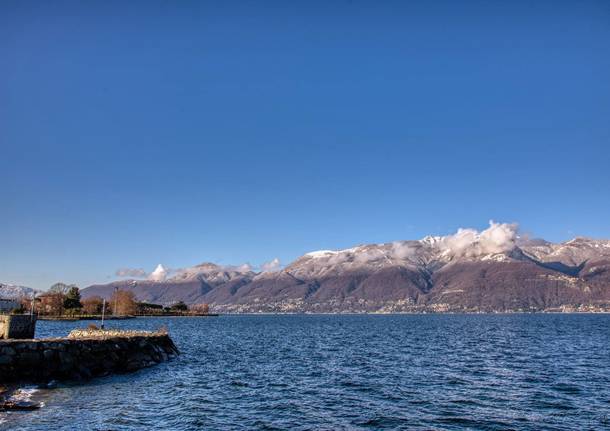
[(103, 311), (32, 307), (116, 300)]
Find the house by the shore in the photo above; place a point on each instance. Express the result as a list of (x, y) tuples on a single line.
[(8, 305)]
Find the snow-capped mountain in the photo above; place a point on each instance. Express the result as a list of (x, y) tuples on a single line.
[(573, 252), (212, 273), (491, 270), (10, 291)]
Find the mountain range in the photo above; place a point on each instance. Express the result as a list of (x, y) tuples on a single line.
[(494, 270), (11, 291)]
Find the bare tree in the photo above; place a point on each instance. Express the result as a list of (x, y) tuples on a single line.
[(92, 305), (123, 302), (61, 288)]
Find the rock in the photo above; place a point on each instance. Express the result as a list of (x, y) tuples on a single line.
[(8, 351), (20, 405), (48, 354), (29, 359)]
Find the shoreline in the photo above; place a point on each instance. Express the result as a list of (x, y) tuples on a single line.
[(347, 313), (128, 317), (409, 313)]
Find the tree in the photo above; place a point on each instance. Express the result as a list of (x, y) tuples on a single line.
[(201, 308), (92, 305), (20, 309), (61, 288), (149, 308), (123, 302), (72, 299), (179, 306), (52, 301)]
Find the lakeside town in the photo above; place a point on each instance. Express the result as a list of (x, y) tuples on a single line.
[(64, 302)]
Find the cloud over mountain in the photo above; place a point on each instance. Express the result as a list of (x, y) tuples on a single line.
[(131, 272), (497, 238), (271, 266), (159, 274)]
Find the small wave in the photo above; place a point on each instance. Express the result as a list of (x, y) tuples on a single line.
[(567, 388), (378, 422)]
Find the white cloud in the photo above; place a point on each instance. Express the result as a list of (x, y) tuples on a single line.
[(245, 267), (403, 250), (159, 274), (130, 272), (365, 256), (271, 266), (497, 238)]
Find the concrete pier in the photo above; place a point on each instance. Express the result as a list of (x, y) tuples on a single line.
[(82, 355), (17, 326)]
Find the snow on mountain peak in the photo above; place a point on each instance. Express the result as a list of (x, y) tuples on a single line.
[(431, 240), (321, 253), (327, 253)]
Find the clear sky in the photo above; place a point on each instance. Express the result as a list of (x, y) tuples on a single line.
[(137, 133)]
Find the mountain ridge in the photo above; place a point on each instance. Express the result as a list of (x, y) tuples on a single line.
[(489, 271)]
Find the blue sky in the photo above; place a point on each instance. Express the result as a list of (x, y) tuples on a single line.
[(137, 133)]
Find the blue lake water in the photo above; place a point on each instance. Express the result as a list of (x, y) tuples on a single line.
[(351, 372)]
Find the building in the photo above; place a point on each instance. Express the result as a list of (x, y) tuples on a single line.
[(50, 303), (8, 305), (15, 325)]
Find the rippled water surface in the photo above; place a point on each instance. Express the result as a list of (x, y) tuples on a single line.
[(445, 372)]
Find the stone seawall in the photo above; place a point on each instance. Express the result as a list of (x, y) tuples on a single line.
[(77, 358)]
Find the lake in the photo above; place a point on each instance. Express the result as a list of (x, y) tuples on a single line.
[(348, 372)]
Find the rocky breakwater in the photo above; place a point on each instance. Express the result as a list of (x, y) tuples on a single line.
[(82, 355)]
